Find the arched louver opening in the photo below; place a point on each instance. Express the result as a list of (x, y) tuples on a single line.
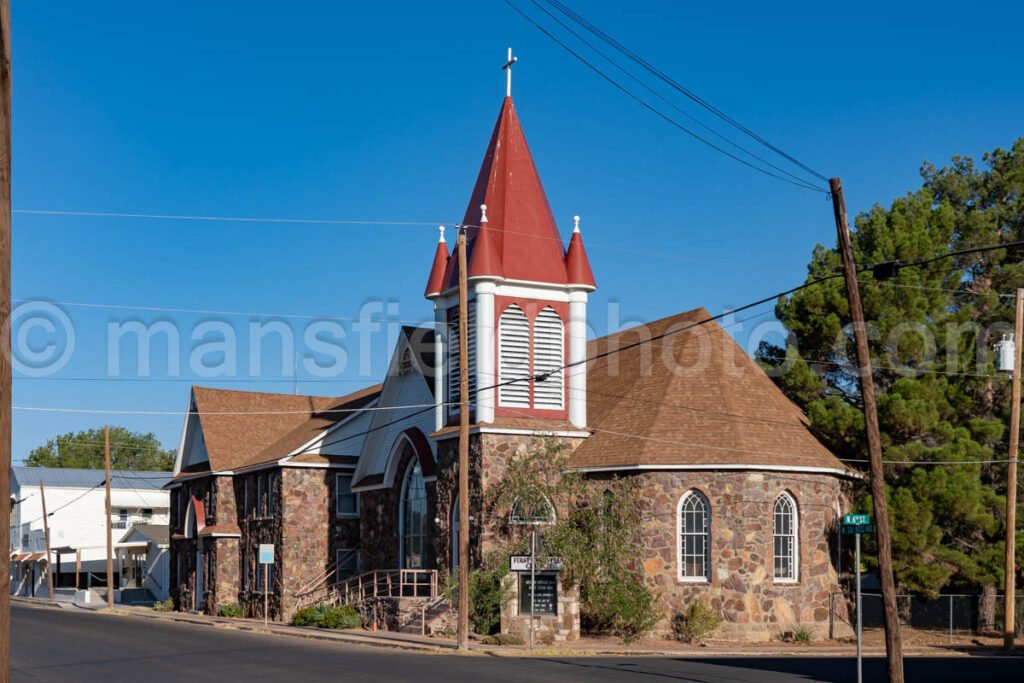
[(514, 358), (548, 360), (454, 395)]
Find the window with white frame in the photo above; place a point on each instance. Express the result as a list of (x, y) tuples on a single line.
[(784, 535), (693, 526), (514, 358), (346, 562), (548, 360), (346, 503)]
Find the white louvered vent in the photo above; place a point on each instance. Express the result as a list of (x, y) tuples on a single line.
[(514, 358), (548, 357), (454, 396)]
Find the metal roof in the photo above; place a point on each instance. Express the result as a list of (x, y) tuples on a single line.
[(61, 477)]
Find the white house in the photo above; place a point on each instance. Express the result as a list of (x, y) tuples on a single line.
[(76, 506)]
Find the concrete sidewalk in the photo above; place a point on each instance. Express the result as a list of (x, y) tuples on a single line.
[(581, 648)]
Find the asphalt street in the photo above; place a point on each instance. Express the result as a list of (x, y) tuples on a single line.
[(72, 645)]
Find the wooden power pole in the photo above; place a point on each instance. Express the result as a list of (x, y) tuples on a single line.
[(110, 539), (5, 338), (1010, 592), (893, 644), (463, 447), (46, 538)]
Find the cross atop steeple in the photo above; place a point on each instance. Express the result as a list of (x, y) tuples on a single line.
[(507, 68)]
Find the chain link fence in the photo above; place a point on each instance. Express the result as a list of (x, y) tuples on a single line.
[(950, 613)]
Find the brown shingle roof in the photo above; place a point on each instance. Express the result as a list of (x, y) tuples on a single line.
[(692, 398), (244, 428)]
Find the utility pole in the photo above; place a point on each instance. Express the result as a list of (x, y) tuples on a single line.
[(893, 644), (110, 540), (46, 537), (463, 447), (1010, 593), (5, 338)]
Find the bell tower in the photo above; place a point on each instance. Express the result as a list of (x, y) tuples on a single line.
[(527, 323)]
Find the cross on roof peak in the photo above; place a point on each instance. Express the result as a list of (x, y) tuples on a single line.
[(507, 68)]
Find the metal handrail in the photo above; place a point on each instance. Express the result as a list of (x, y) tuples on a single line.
[(377, 583)]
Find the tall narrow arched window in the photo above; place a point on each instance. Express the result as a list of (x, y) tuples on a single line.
[(513, 358), (413, 518), (693, 520), (785, 527), (548, 360)]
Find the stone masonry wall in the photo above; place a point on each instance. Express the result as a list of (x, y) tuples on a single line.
[(305, 531), (742, 589)]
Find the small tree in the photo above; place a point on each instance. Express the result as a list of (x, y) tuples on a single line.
[(594, 533), (128, 451)]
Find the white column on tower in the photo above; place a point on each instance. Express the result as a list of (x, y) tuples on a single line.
[(577, 357), (440, 363), (486, 349)]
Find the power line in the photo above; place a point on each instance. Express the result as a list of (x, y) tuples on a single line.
[(225, 413), (664, 99), (230, 219), (657, 111), (677, 86)]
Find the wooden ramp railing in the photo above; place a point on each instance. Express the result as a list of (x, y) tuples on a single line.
[(378, 583)]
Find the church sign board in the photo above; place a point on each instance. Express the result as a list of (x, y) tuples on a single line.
[(543, 589)]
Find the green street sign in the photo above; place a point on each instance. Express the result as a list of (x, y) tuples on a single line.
[(849, 529), (856, 519)]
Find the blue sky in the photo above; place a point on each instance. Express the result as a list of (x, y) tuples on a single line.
[(381, 111)]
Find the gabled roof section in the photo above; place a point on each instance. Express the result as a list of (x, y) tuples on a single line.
[(244, 428), (522, 240), (420, 341), (693, 397)]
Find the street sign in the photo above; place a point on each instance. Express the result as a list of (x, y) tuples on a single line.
[(856, 519), (858, 529), (524, 563), (266, 553)]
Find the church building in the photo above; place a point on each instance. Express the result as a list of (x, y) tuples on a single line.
[(739, 501)]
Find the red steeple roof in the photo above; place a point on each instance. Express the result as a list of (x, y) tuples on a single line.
[(577, 265), (435, 283), (521, 240)]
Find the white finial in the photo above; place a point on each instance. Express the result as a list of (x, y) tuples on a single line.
[(440, 229), (575, 223), (507, 67), (483, 213)]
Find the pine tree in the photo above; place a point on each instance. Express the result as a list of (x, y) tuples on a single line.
[(932, 328)]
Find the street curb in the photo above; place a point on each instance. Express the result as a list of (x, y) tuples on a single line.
[(287, 631)]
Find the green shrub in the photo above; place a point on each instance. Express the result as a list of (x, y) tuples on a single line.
[(698, 621), (326, 616), (801, 634), (486, 596), (164, 605), (618, 604), (232, 610)]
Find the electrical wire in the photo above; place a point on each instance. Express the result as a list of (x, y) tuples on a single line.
[(655, 110), (657, 94), (677, 86)]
